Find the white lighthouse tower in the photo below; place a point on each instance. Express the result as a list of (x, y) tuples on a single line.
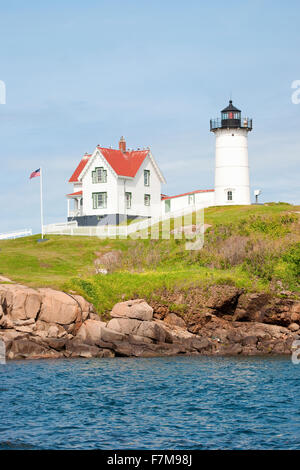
[(231, 166)]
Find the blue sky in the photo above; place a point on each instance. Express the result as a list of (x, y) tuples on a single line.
[(79, 74)]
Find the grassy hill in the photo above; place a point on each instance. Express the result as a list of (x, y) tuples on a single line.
[(254, 247)]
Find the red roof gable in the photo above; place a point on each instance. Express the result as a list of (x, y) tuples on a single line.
[(124, 164), (186, 194), (80, 167)]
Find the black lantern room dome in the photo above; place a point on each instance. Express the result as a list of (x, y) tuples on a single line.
[(231, 119)]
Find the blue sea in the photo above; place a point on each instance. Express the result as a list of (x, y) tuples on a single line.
[(157, 403)]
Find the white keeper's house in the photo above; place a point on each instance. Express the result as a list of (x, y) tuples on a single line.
[(112, 184)]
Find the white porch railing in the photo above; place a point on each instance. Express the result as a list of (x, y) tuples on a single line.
[(17, 234), (77, 213)]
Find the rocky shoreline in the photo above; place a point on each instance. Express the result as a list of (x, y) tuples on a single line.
[(221, 320)]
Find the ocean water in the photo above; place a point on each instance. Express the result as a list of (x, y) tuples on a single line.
[(157, 403)]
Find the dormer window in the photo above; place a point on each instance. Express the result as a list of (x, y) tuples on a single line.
[(99, 175), (147, 177)]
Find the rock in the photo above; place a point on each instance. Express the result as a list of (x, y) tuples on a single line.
[(5, 279), (42, 329), (6, 322), (136, 309), (56, 343), (222, 298), (19, 302), (77, 349), (24, 329), (94, 316), (127, 326), (24, 322), (152, 330), (146, 350), (251, 307), (231, 350), (294, 327), (58, 307), (136, 339), (108, 335), (295, 317), (296, 307), (233, 336), (12, 335), (130, 326), (90, 331), (26, 348), (249, 341), (174, 320), (53, 331), (200, 343)]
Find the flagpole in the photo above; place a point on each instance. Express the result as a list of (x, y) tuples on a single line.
[(41, 194)]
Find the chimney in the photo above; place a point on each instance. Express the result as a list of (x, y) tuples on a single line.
[(122, 145)]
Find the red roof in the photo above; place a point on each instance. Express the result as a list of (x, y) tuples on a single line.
[(79, 193), (186, 194), (80, 167), (124, 164)]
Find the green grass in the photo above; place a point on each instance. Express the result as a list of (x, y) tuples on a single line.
[(253, 247)]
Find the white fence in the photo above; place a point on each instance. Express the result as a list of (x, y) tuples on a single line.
[(17, 234), (182, 218)]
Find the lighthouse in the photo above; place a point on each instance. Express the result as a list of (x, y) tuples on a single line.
[(231, 162)]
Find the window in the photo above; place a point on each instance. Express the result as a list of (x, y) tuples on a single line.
[(229, 195), (99, 175), (191, 198), (147, 177), (167, 205), (128, 197), (147, 199), (99, 200)]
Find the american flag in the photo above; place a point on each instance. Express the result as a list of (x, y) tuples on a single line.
[(35, 173)]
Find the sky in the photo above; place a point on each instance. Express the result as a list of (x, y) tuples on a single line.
[(83, 73)]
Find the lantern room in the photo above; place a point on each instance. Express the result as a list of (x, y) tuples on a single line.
[(230, 119), (231, 116)]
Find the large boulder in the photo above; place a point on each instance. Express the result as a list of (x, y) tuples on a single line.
[(137, 309), (27, 348), (19, 302), (127, 326), (92, 332), (58, 307), (130, 326)]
